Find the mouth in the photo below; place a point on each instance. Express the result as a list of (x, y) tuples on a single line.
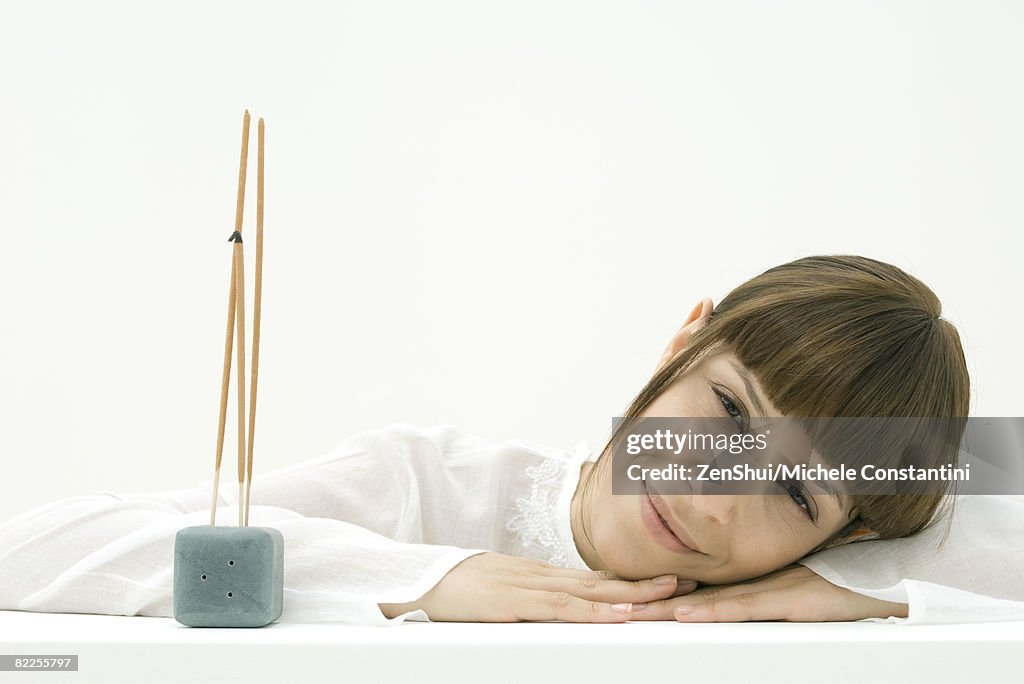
[(658, 526)]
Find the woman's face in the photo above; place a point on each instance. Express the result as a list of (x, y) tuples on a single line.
[(731, 537)]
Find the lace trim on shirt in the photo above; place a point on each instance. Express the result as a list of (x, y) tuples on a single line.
[(534, 525)]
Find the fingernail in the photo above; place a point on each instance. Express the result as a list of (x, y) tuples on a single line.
[(622, 607), (684, 610), (687, 584), (639, 606), (665, 579)]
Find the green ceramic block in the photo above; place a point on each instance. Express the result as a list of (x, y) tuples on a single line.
[(228, 576)]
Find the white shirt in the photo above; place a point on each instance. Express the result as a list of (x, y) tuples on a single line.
[(387, 513)]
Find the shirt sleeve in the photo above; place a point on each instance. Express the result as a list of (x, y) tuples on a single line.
[(966, 567), (113, 553)]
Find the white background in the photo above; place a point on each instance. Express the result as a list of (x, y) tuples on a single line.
[(487, 214)]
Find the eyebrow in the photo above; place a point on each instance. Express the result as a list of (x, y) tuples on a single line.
[(751, 391)]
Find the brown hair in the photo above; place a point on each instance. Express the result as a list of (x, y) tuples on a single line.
[(840, 336)]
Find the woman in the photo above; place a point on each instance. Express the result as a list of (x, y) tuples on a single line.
[(438, 523)]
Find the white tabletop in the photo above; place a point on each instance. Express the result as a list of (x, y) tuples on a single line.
[(114, 648)]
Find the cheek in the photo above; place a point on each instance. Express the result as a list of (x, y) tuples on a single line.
[(745, 566), (759, 555), (618, 537)]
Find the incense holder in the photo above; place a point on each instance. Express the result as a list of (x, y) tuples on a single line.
[(228, 576)]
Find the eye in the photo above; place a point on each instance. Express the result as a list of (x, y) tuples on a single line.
[(732, 408), (797, 495), (729, 407)]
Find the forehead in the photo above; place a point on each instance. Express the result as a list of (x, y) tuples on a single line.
[(724, 367)]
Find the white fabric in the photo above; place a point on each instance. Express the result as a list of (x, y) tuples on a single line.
[(370, 522), (967, 567), (387, 513)]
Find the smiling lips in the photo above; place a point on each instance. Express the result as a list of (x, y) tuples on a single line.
[(657, 524)]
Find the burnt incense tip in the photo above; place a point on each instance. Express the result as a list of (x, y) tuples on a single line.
[(235, 237)]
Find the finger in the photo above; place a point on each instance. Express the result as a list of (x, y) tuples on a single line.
[(658, 610), (665, 609), (614, 590), (745, 606), (555, 571), (684, 587), (713, 591), (680, 586), (653, 611), (561, 605)]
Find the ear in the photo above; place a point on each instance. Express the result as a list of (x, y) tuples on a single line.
[(853, 532), (694, 322)]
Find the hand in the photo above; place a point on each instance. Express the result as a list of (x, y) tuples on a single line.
[(494, 587), (795, 594)]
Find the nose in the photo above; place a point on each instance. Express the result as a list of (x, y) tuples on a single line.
[(719, 507)]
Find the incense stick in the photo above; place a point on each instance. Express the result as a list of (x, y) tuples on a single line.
[(225, 382), (226, 375), (239, 264), (258, 298)]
